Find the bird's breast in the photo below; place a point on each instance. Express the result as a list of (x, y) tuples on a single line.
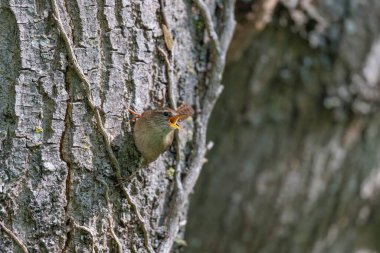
[(151, 141)]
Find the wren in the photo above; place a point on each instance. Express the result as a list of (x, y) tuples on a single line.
[(154, 130)]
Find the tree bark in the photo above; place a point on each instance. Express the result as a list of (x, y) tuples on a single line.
[(69, 72), (296, 161)]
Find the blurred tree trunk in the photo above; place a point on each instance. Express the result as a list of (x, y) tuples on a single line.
[(295, 166), (59, 188)]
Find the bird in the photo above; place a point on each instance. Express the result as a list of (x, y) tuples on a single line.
[(154, 130)]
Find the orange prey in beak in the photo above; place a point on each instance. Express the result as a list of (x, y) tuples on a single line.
[(173, 120)]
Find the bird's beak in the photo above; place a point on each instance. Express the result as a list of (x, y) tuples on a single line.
[(173, 121)]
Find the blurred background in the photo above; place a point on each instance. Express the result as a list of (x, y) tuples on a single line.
[(295, 165)]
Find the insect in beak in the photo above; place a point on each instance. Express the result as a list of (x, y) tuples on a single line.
[(173, 121)]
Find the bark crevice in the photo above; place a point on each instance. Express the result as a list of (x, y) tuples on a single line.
[(65, 155)]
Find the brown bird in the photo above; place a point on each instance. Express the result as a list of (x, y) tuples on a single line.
[(154, 130)]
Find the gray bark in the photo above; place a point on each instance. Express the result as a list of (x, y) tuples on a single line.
[(58, 188), (295, 166)]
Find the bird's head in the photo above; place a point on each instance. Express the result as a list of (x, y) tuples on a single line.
[(164, 118)]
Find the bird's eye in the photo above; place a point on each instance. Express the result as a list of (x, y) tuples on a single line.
[(166, 114)]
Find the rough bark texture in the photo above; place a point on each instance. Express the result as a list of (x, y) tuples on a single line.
[(295, 166), (58, 189)]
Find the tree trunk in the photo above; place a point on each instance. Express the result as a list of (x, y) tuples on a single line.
[(296, 161), (69, 72)]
